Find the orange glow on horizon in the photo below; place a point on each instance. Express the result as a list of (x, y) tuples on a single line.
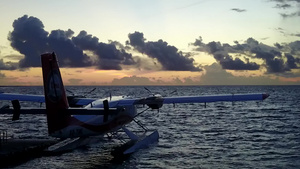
[(292, 79)]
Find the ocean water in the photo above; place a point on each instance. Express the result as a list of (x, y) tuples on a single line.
[(221, 135)]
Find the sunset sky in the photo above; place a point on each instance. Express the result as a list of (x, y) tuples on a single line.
[(158, 42)]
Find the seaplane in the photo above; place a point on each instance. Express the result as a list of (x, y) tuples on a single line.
[(74, 120)]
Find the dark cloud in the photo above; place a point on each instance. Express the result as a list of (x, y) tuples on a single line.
[(169, 56), (30, 39), (137, 40), (227, 62), (292, 62), (294, 47), (69, 54), (221, 54), (109, 57), (276, 65), (274, 60), (238, 10), (278, 46)]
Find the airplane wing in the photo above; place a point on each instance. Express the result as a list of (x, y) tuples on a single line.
[(153, 100), (214, 98), (193, 99)]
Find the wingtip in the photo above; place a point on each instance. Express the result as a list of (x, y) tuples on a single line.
[(265, 95)]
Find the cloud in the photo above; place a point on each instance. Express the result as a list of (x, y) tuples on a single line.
[(279, 59), (291, 62), (2, 75), (286, 33), (221, 54), (132, 80), (293, 48), (216, 75), (238, 10), (7, 65), (74, 81), (168, 56), (288, 15), (14, 57), (69, 54), (30, 39), (108, 56), (290, 5), (229, 63), (146, 81), (295, 34), (283, 6), (145, 63)]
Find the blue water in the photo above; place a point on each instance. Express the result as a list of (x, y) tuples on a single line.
[(222, 135)]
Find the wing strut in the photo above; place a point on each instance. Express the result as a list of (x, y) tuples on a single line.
[(106, 110), (16, 111)]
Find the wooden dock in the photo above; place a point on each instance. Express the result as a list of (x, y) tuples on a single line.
[(16, 151)]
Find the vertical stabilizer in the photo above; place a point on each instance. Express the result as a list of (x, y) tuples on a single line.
[(55, 94)]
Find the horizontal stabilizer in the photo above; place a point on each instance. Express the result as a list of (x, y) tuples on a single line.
[(76, 101), (22, 97)]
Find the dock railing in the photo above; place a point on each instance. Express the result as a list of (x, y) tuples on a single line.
[(3, 137)]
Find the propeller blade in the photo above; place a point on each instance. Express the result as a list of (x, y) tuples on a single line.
[(147, 89), (173, 92), (70, 92), (91, 91)]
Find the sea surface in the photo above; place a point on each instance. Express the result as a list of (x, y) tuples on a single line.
[(263, 134)]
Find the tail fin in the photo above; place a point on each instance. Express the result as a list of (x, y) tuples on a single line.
[(55, 94)]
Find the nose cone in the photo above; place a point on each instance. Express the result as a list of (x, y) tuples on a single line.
[(265, 95)]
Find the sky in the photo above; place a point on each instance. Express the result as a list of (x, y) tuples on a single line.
[(159, 42)]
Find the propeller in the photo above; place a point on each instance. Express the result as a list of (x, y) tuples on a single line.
[(155, 100), (90, 91), (70, 92), (73, 99), (152, 93), (84, 95), (175, 91)]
